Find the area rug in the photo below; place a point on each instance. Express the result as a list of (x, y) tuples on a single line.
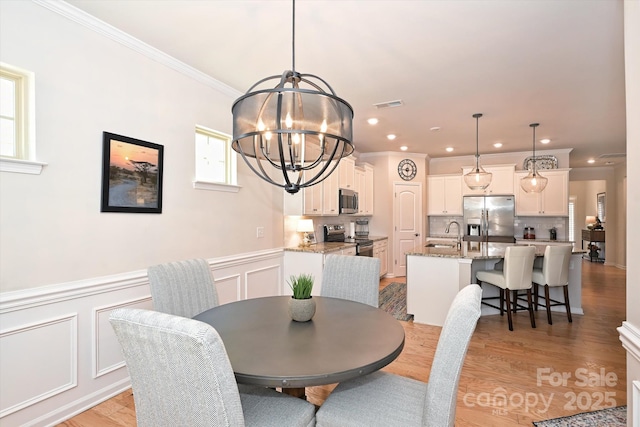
[(393, 300), (610, 417)]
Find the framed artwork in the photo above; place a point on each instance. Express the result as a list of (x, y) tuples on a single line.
[(131, 175)]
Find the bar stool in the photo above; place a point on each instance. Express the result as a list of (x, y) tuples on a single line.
[(516, 275), (554, 272)]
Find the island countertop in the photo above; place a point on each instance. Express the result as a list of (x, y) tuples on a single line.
[(477, 250)]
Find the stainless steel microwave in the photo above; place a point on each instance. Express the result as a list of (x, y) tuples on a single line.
[(348, 201)]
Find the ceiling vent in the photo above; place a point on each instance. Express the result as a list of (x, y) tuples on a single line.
[(613, 155), (389, 104)]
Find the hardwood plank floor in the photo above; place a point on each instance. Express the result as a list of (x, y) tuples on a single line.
[(509, 378)]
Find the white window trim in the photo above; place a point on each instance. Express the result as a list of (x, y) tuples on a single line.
[(215, 186), (8, 164), (28, 165)]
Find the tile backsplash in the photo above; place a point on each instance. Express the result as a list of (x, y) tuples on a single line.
[(542, 225)]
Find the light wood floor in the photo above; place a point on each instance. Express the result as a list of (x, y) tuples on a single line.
[(519, 367)]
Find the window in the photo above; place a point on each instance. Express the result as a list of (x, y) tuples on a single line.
[(572, 219), (17, 121), (216, 166)]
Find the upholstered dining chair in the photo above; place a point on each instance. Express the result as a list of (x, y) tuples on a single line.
[(356, 278), (384, 399), (183, 288), (181, 376), (515, 276), (554, 272)]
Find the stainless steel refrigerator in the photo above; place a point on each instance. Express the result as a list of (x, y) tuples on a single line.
[(489, 218)]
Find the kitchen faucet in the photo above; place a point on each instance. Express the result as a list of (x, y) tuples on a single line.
[(459, 242)]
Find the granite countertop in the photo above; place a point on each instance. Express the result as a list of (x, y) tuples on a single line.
[(328, 247), (322, 248), (476, 250)]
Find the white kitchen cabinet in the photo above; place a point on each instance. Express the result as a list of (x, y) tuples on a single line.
[(349, 251), (444, 194), (364, 187), (346, 170), (297, 262), (368, 190), (554, 199), (360, 187), (380, 251), (319, 199), (501, 180), (330, 190)]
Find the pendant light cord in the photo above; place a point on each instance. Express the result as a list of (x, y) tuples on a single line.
[(477, 152), (293, 38)]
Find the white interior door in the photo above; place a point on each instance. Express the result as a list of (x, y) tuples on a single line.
[(407, 221)]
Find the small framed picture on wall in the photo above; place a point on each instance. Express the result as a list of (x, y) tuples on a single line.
[(131, 175)]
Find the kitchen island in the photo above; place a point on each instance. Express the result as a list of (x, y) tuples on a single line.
[(435, 274)]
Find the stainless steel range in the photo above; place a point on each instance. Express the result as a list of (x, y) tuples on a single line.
[(336, 233)]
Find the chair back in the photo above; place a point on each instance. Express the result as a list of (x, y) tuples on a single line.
[(179, 368), (518, 266), (442, 388), (356, 278), (183, 288), (555, 267)]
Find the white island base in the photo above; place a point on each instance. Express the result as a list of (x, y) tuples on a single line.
[(434, 281)]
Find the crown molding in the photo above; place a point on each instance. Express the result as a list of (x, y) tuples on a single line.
[(91, 22)]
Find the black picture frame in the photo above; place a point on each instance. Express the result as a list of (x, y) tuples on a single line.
[(131, 175)]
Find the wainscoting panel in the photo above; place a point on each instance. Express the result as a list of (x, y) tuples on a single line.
[(58, 353), (229, 288), (105, 343), (263, 282), (45, 351)]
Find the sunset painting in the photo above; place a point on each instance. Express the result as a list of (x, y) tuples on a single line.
[(132, 175)]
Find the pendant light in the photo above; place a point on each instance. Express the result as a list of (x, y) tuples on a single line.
[(534, 182), (292, 135), (478, 178)]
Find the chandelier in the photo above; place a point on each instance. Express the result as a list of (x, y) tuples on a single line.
[(293, 134), (478, 178), (534, 182)]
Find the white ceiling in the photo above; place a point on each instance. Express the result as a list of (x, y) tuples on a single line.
[(556, 62)]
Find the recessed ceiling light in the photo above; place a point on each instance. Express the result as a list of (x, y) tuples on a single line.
[(609, 163), (404, 148), (545, 141), (449, 149), (391, 137), (372, 121), (498, 144), (591, 161), (435, 129)]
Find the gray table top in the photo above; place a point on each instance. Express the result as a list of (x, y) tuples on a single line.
[(344, 340)]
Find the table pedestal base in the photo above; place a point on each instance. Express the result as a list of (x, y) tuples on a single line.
[(295, 392)]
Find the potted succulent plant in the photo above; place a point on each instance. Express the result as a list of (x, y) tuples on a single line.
[(302, 306)]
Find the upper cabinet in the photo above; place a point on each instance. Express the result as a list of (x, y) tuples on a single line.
[(554, 199), (346, 170), (330, 190), (501, 180), (322, 198), (364, 187), (444, 194)]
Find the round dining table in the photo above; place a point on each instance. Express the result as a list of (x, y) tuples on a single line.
[(343, 340)]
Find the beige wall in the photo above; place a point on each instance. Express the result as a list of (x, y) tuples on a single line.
[(51, 228)]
